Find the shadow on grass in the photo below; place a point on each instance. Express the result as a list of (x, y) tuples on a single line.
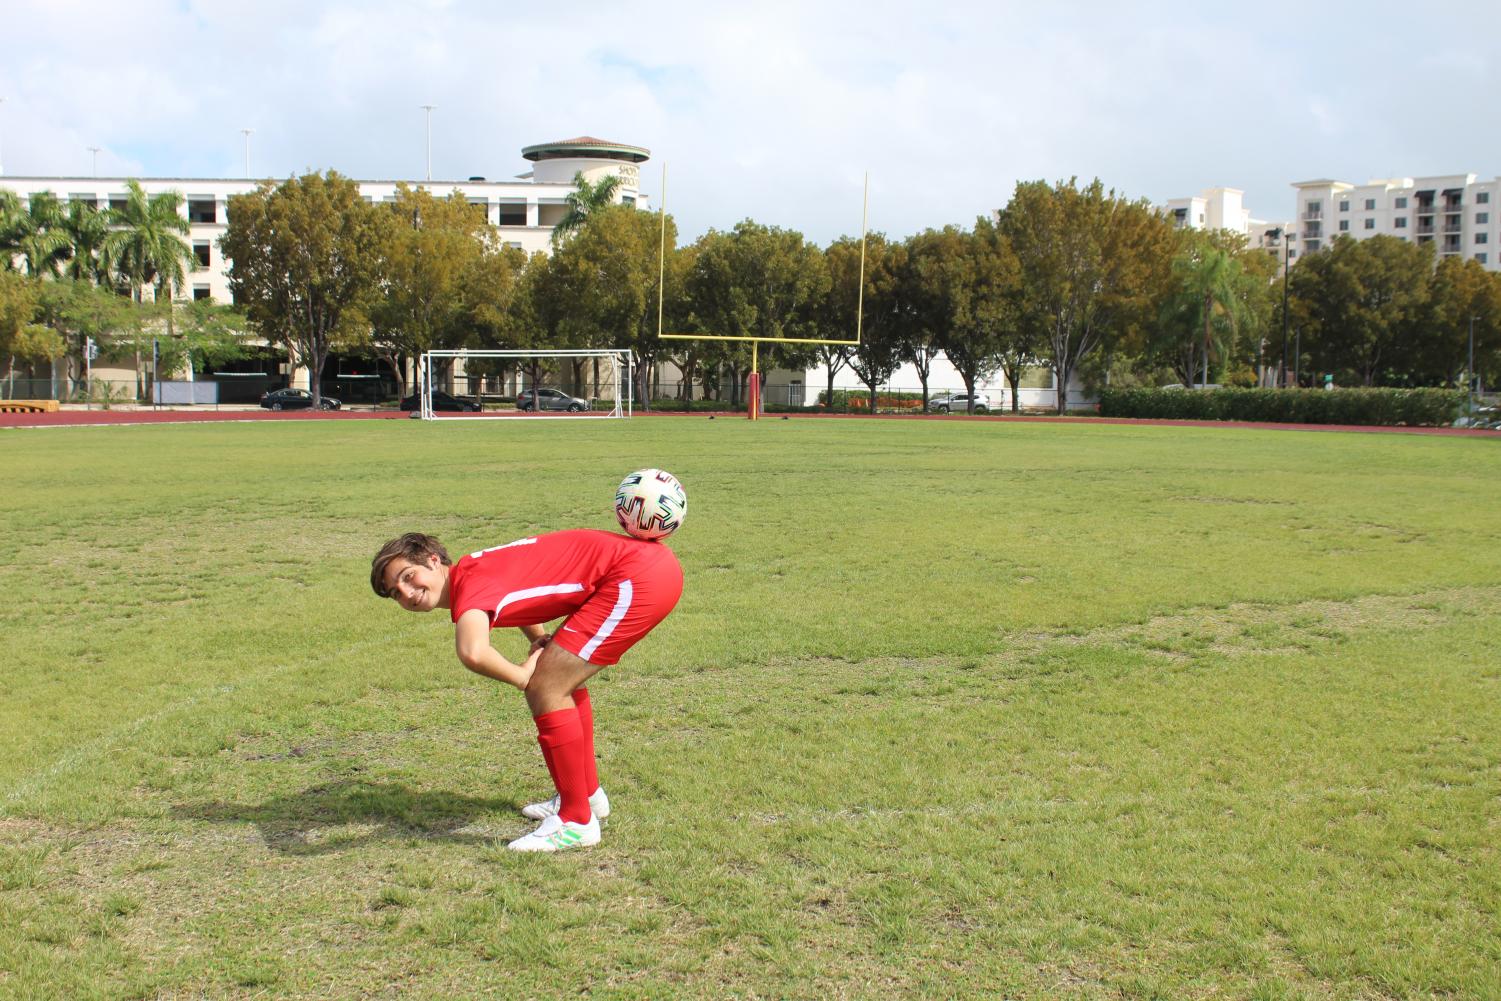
[(349, 813)]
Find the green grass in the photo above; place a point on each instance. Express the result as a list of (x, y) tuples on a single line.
[(948, 710)]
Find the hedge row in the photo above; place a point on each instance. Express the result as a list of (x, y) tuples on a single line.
[(1411, 407)]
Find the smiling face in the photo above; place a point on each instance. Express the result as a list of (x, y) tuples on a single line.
[(417, 587)]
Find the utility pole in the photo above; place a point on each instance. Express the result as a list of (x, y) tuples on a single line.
[(246, 133), (429, 109), (95, 150), (1286, 245), (1470, 375)]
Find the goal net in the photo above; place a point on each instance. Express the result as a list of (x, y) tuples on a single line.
[(608, 395)]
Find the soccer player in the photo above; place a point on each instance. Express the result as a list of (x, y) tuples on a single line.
[(613, 590)]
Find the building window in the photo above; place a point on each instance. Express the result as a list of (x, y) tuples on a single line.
[(203, 211), (1481, 218), (1313, 210), (628, 200), (1370, 224), (117, 204), (1482, 197), (1291, 254), (1401, 222), (1401, 203), (512, 215), (201, 253), (201, 292), (1480, 258), (1344, 206), (1482, 237), (88, 200), (1370, 204), (1344, 225)]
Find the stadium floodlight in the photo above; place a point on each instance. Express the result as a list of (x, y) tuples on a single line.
[(618, 363), (753, 403)]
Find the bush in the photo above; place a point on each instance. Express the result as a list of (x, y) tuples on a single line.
[(1381, 407)]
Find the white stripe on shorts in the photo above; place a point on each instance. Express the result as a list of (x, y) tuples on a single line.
[(622, 605)]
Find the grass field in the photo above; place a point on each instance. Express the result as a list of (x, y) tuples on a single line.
[(948, 710)]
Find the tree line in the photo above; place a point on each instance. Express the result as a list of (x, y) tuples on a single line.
[(1095, 287)]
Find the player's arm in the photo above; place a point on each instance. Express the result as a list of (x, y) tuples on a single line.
[(471, 640)]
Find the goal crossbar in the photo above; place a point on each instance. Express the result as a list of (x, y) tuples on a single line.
[(620, 361)]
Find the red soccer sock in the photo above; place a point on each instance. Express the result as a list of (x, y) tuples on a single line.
[(586, 724), (560, 735)]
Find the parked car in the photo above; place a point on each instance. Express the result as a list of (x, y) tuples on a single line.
[(958, 403), (295, 399), (549, 399), (443, 402)]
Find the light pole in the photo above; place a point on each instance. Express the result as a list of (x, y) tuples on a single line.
[(1286, 246), (429, 109), (1470, 374), (246, 134), (95, 150)]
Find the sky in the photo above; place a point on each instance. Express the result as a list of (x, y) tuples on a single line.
[(773, 111)]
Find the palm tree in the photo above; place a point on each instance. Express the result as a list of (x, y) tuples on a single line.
[(11, 227), (146, 246), (1209, 295), (38, 236), (585, 199), (87, 229)]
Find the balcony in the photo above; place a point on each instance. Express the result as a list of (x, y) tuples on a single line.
[(1424, 228), (1452, 226)]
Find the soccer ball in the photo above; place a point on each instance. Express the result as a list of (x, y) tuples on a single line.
[(651, 504)]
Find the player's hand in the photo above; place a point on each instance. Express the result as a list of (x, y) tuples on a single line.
[(540, 642), (529, 666)]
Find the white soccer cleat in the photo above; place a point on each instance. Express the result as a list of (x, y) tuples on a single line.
[(555, 835), (599, 803)]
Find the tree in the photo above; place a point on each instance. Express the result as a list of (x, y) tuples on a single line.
[(599, 289), (1089, 264), (994, 332), (1205, 306), (1361, 301), (428, 249), (88, 231), (79, 310), (1464, 297), (304, 264), (586, 199), (146, 247), (18, 303), (38, 235), (886, 307), (933, 268), (756, 281)]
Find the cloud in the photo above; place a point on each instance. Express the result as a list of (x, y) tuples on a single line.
[(774, 112)]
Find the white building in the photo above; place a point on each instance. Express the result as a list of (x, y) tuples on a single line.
[(1223, 208), (1455, 212), (525, 209)]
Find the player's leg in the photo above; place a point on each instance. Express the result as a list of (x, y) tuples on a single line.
[(550, 696), (599, 803)]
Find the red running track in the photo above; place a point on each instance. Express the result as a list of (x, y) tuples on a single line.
[(117, 418)]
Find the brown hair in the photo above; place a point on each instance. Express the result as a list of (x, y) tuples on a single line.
[(414, 547)]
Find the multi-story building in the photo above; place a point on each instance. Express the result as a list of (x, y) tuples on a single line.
[(1455, 212), (1223, 208), (525, 210)]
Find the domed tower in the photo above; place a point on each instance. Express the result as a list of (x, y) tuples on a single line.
[(558, 162)]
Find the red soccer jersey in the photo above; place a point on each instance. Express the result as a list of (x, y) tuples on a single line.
[(543, 577)]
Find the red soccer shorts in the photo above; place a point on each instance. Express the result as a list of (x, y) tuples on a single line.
[(628, 604)]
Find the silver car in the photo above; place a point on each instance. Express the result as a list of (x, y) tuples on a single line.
[(958, 403)]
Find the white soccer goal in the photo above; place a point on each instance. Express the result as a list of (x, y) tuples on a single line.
[(615, 380)]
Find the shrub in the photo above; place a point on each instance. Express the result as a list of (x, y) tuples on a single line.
[(1383, 407)]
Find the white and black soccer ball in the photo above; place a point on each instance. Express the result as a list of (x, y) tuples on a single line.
[(651, 504)]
